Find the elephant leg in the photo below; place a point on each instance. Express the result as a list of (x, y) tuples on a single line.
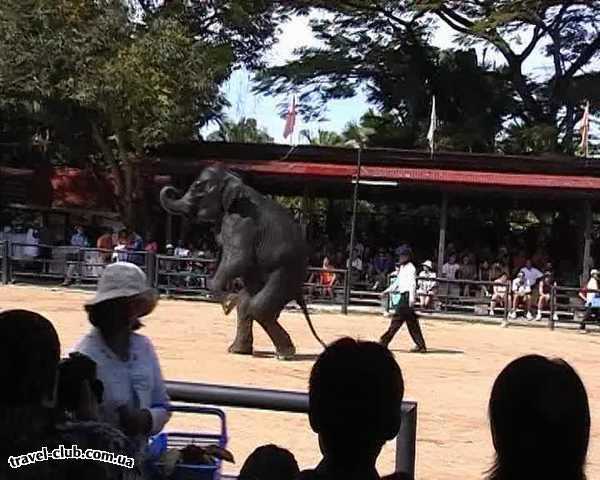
[(284, 347), (265, 308), (237, 257), (243, 335)]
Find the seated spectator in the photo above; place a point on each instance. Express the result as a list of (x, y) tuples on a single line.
[(135, 244), (270, 462), (382, 267), (151, 246), (545, 291), (181, 251), (540, 421), (79, 240), (485, 274), (120, 250), (532, 274), (426, 285), (355, 393), (29, 356), (105, 245), (356, 267), (591, 297), (467, 271), (326, 279), (449, 271), (521, 291), (135, 396), (499, 293)]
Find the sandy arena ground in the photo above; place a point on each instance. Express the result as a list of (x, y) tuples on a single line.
[(451, 384)]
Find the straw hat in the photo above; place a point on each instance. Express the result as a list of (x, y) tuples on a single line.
[(428, 264), (124, 280)]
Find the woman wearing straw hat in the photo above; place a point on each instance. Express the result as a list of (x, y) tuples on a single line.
[(403, 293), (135, 396)]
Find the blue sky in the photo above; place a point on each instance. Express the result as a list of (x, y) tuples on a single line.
[(296, 33)]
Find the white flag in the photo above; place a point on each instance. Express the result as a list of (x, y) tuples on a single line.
[(432, 126), (585, 129)]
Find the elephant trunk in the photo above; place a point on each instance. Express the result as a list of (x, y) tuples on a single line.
[(171, 203)]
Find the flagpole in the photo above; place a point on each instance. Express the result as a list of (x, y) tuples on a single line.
[(347, 285)]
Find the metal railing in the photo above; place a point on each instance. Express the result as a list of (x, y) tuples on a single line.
[(295, 402), (73, 264), (456, 295), (187, 275)]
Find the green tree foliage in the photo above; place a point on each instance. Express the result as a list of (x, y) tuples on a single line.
[(245, 130), (383, 48), (121, 76), (569, 34)]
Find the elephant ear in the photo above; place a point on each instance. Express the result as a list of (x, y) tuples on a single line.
[(233, 191)]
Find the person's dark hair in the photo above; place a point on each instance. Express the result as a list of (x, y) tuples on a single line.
[(540, 421), (29, 355), (355, 393), (108, 316), (72, 372), (270, 462)]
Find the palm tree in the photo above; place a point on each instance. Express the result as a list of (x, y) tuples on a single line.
[(246, 130), (322, 137)]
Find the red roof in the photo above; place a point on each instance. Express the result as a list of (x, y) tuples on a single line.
[(418, 175)]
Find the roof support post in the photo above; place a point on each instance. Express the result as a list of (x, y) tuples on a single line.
[(169, 229), (442, 236), (588, 261), (348, 282)]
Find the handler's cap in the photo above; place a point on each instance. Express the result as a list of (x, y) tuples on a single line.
[(123, 280)]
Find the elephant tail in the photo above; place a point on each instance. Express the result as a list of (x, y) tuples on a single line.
[(302, 303)]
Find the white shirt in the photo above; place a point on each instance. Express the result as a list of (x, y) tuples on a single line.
[(521, 286), (449, 270), (532, 275), (182, 252), (357, 264), (405, 281), (591, 285), (427, 286), (137, 382)]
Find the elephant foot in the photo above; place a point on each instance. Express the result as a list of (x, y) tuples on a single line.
[(230, 302), (240, 349), (286, 354)]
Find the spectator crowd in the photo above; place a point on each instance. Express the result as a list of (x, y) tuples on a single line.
[(519, 282)]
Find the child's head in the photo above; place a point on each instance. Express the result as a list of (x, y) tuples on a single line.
[(356, 391), (269, 462)]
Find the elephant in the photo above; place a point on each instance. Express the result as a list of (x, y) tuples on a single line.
[(261, 244)]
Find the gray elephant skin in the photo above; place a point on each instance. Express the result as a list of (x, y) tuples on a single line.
[(260, 243)]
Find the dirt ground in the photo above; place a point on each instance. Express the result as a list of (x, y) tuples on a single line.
[(451, 384)]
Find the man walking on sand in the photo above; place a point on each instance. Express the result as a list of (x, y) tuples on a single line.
[(403, 293)]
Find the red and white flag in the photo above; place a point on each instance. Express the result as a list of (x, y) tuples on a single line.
[(585, 130), (290, 119)]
